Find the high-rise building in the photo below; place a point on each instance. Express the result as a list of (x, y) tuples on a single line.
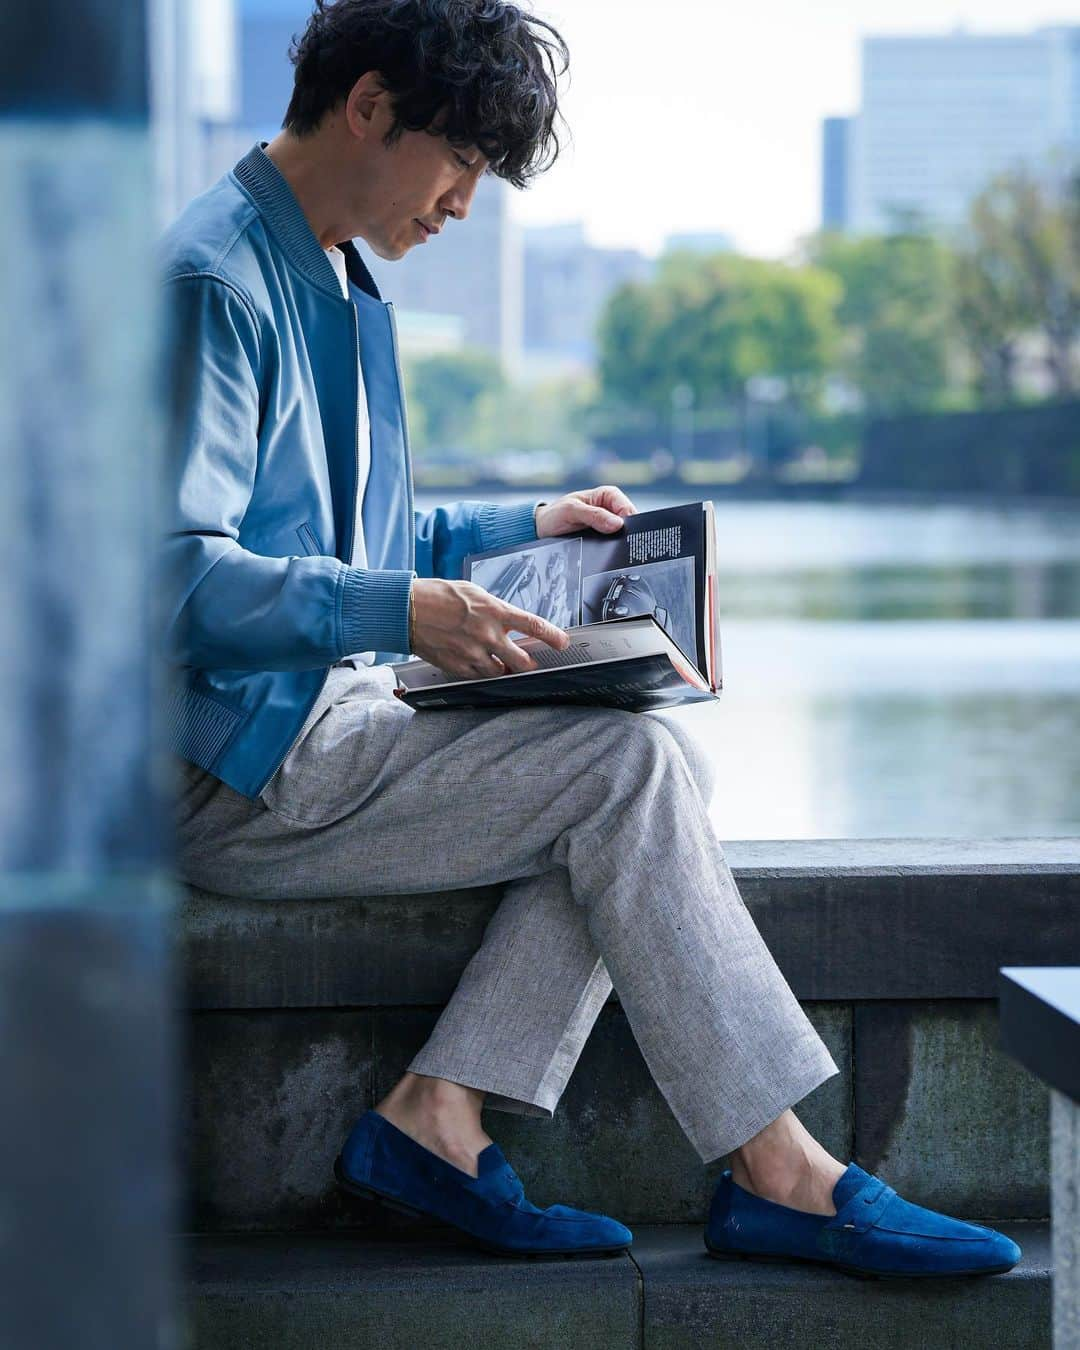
[(567, 284), (193, 80), (940, 116), (267, 28), (836, 173)]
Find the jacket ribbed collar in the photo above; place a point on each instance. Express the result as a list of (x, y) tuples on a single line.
[(264, 183)]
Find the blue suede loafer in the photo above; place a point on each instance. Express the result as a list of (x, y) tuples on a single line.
[(380, 1162), (874, 1232)]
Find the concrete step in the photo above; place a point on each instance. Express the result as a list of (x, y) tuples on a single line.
[(756, 1306), (343, 1293), (340, 1292), (305, 1012)]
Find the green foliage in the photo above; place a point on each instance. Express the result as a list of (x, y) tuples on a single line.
[(894, 315), (443, 392), (1017, 271), (712, 324), (548, 417), (461, 402)]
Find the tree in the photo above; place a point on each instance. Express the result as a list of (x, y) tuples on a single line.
[(1018, 273), (546, 417), (1049, 244), (894, 317), (444, 391), (712, 324)]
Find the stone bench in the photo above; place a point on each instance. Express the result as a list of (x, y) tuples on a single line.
[(303, 1013)]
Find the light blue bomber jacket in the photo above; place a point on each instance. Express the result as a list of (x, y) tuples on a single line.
[(262, 455)]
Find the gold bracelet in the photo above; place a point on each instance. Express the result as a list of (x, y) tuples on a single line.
[(412, 618)]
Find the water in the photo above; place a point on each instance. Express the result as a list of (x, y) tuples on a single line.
[(895, 671)]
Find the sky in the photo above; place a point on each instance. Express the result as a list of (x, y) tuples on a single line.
[(695, 115)]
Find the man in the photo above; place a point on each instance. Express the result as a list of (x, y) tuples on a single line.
[(301, 568)]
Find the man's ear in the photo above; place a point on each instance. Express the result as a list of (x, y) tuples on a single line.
[(367, 98)]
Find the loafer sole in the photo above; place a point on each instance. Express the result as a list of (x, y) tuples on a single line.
[(370, 1193), (860, 1271)]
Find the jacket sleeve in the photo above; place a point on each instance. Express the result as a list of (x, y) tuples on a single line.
[(229, 608), (446, 535)]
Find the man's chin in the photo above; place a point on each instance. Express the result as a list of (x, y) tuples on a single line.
[(390, 252)]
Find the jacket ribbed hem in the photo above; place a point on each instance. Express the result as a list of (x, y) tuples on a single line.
[(501, 526), (375, 611)]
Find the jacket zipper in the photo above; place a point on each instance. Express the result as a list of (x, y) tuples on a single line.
[(404, 437), (352, 524), (356, 439)]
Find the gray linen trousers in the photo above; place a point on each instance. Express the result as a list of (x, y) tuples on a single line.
[(596, 821)]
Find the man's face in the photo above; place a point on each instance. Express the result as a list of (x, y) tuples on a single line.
[(407, 191)]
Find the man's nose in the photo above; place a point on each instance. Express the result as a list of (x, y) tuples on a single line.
[(458, 200)]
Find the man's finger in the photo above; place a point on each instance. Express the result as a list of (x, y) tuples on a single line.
[(514, 658), (615, 500), (533, 626), (601, 519)]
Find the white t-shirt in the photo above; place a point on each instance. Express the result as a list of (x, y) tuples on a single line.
[(363, 441)]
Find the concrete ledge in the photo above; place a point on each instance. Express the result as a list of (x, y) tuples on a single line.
[(694, 1301), (1040, 1023), (337, 1293), (846, 920), (313, 1293)]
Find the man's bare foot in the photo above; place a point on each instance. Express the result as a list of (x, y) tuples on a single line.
[(441, 1116), (786, 1164)]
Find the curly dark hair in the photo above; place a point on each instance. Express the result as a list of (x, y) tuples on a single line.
[(482, 73)]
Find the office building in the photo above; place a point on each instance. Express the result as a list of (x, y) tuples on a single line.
[(940, 116), (567, 284), (836, 173), (193, 79), (267, 29)]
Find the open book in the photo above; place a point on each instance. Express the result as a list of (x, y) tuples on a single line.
[(639, 607)]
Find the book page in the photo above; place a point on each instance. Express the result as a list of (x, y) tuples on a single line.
[(656, 566)]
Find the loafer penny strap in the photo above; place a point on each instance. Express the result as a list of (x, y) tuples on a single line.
[(865, 1207), (502, 1183)]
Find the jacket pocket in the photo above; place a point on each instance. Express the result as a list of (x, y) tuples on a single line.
[(307, 538)]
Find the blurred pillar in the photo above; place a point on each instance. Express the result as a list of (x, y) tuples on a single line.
[(86, 1193)]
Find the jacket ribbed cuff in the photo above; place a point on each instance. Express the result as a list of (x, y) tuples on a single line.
[(501, 526), (375, 611)]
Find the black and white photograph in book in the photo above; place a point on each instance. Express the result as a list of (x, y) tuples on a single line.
[(663, 589), (544, 579)]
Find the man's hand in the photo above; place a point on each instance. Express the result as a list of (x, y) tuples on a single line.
[(601, 508), (463, 630)]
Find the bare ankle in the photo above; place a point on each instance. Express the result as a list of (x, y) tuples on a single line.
[(777, 1176), (432, 1099), (786, 1164), (442, 1116)]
